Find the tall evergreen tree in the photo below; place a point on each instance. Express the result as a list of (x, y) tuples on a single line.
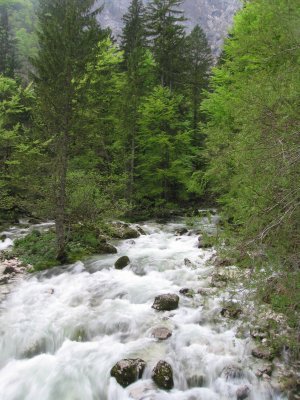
[(7, 43), (134, 33), (138, 64), (198, 64), (67, 36), (166, 34)]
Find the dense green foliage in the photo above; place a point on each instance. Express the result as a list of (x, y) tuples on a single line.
[(105, 129), (18, 40), (253, 142), (16, 148)]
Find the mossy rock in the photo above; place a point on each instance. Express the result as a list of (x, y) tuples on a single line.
[(122, 262), (166, 302), (128, 371), (162, 375)]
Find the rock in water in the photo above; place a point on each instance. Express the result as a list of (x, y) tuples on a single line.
[(232, 372), (162, 375), (181, 231), (187, 292), (166, 302), (128, 371), (121, 230), (106, 248), (242, 393), (161, 333), (122, 262)]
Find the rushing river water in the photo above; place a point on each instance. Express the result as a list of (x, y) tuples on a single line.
[(61, 331)]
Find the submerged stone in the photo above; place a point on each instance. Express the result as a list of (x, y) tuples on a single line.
[(122, 262), (166, 302), (232, 372), (162, 375), (161, 333), (187, 292), (128, 371)]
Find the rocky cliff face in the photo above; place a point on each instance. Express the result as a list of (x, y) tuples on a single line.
[(214, 16)]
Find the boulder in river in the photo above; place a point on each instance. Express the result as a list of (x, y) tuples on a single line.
[(121, 230), (122, 262), (128, 371), (166, 302), (162, 375), (161, 333), (106, 248), (242, 393)]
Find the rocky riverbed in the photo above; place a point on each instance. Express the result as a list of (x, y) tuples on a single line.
[(169, 322)]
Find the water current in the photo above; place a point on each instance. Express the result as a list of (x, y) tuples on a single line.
[(61, 331)]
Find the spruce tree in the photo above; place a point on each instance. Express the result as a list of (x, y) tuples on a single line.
[(134, 33), (166, 34), (7, 43), (138, 66), (198, 64), (67, 36)]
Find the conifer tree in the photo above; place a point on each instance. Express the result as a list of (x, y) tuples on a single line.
[(7, 43), (198, 64), (166, 34), (67, 34), (138, 65)]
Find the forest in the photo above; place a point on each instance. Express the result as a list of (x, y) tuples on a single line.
[(150, 125)]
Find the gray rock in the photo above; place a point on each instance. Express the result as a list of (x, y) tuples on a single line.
[(166, 302), (161, 333), (122, 262), (128, 371), (242, 393), (265, 370), (121, 230), (162, 375), (106, 248), (262, 353)]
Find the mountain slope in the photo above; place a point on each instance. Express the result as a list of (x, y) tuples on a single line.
[(214, 16)]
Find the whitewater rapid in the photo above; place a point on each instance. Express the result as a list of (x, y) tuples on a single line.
[(61, 331)]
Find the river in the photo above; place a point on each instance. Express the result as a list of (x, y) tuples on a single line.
[(61, 331)]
